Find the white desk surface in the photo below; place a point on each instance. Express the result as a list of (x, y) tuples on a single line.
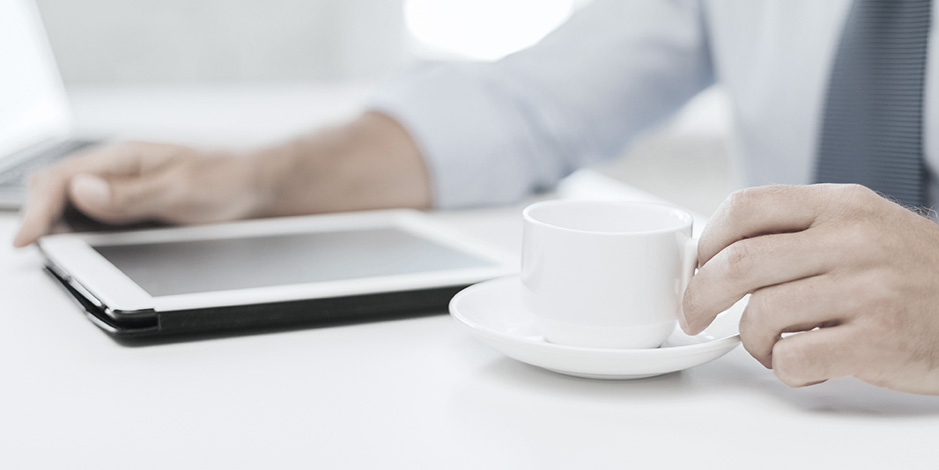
[(417, 393)]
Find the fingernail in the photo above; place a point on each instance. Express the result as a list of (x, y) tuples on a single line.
[(92, 189)]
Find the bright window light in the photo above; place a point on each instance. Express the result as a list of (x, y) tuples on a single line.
[(483, 29)]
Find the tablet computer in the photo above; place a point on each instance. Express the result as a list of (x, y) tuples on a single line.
[(268, 273)]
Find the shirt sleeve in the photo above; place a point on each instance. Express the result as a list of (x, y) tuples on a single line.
[(493, 132)]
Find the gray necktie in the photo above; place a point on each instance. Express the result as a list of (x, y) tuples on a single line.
[(873, 123)]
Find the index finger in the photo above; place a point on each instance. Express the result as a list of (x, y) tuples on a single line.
[(767, 210)]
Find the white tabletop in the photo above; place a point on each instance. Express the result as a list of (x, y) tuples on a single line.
[(416, 393)]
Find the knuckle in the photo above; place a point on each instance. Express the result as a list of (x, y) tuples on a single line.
[(857, 191), (750, 343), (882, 316), (790, 362), (855, 237), (690, 301), (865, 243), (856, 198), (755, 349), (791, 382), (741, 202), (737, 260), (754, 331), (882, 287), (751, 321)]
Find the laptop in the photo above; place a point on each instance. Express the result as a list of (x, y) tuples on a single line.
[(35, 126)]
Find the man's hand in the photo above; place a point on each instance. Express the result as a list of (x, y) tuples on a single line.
[(134, 181), (854, 275), (368, 163)]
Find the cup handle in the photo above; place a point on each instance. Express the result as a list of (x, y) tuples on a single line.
[(689, 262)]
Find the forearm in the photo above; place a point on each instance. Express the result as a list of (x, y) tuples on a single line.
[(493, 133), (368, 163)]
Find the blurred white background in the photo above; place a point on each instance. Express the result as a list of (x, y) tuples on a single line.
[(167, 43), (185, 41)]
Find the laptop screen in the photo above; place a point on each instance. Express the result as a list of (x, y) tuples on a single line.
[(34, 106)]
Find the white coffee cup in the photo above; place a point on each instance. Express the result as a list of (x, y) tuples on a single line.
[(606, 274)]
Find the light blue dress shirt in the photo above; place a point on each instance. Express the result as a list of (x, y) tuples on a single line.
[(494, 132)]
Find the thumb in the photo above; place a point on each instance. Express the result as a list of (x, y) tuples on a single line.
[(117, 199)]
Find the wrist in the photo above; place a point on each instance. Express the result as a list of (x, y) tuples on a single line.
[(369, 163)]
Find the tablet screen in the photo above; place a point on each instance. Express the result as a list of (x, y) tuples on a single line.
[(194, 266)]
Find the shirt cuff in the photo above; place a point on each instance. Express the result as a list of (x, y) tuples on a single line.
[(460, 117)]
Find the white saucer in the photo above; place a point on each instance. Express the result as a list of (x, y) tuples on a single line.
[(494, 313)]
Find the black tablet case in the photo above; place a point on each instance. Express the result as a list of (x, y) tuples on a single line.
[(241, 319)]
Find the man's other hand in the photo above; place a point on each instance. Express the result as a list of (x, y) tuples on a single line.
[(853, 275)]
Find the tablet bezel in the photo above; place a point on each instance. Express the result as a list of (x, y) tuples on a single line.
[(73, 257)]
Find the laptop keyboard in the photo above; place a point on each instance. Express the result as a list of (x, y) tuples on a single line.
[(14, 180)]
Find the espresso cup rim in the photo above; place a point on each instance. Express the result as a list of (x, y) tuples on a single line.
[(686, 218)]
